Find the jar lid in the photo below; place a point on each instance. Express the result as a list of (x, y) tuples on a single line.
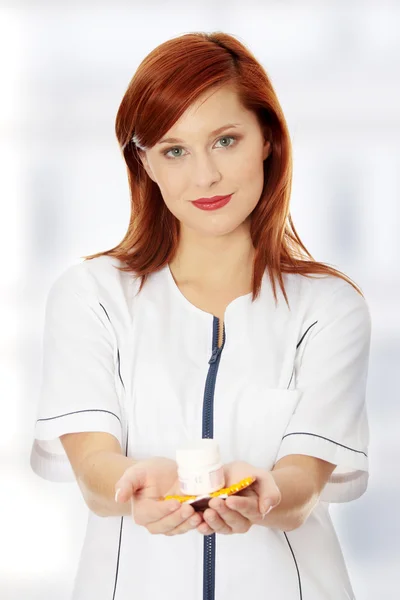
[(198, 454)]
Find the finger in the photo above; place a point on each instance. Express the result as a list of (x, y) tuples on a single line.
[(238, 522), (131, 481), (205, 529), (246, 506), (234, 519), (268, 492), (146, 511), (215, 521), (191, 523), (167, 524)]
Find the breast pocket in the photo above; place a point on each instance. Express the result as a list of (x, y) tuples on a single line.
[(255, 423)]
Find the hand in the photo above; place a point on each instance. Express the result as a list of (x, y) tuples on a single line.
[(144, 484), (238, 513)]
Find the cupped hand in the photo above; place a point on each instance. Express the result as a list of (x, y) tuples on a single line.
[(238, 513), (145, 484)]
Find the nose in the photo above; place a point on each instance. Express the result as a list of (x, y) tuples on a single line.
[(205, 171)]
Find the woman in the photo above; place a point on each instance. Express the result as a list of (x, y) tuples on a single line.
[(180, 332)]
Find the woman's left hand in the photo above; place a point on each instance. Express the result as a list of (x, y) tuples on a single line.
[(239, 512)]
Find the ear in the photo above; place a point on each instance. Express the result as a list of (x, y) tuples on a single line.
[(267, 149), (146, 166)]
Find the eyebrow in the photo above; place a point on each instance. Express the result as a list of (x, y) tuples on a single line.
[(171, 140)]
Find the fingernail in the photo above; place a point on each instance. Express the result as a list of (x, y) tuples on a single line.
[(117, 494), (264, 514), (267, 507)]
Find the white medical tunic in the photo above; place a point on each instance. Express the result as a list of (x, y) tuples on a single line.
[(146, 368)]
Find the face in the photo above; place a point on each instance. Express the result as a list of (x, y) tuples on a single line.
[(205, 164)]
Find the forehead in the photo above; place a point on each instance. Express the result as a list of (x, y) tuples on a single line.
[(212, 110)]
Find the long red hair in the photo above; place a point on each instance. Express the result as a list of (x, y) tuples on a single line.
[(166, 82)]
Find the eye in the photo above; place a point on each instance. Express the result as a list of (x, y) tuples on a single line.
[(225, 137)]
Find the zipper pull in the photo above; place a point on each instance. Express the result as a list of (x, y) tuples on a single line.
[(214, 356)]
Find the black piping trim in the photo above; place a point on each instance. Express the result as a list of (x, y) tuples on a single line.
[(290, 379), (297, 346), (119, 368), (105, 311), (305, 333), (120, 532), (118, 357), (81, 411), (297, 567), (327, 439)]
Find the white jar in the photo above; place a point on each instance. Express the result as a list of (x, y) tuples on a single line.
[(200, 470)]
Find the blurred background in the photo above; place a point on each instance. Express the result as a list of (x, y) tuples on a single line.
[(335, 66)]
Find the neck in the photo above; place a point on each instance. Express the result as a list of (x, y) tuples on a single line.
[(214, 262)]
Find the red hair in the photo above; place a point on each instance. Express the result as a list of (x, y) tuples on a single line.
[(165, 84)]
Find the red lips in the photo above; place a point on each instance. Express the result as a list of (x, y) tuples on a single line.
[(208, 200), (212, 203)]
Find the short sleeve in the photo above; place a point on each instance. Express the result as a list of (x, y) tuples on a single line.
[(330, 421), (78, 387)]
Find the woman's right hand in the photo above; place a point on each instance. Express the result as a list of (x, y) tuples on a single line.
[(144, 484)]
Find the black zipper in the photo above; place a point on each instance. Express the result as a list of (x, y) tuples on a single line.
[(208, 432)]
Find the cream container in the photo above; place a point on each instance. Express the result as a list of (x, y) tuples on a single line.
[(200, 470)]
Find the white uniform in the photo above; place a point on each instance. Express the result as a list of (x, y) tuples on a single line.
[(146, 369)]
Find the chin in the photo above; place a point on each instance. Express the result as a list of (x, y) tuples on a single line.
[(219, 229)]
